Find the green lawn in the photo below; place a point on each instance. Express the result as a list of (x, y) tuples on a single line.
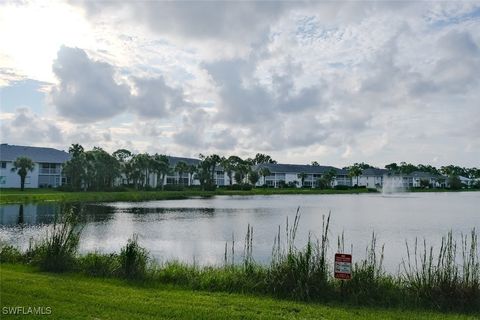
[(78, 297), (39, 195)]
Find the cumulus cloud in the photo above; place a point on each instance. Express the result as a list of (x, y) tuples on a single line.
[(25, 126), (238, 22), (337, 82), (155, 99), (87, 90)]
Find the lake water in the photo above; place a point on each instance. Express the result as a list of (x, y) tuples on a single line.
[(197, 229)]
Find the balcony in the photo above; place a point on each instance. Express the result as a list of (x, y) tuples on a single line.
[(50, 170)]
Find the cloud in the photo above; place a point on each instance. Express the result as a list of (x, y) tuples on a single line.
[(24, 126), (244, 100), (335, 82), (234, 22), (155, 99), (87, 90)]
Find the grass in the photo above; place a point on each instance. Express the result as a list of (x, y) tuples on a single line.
[(41, 195), (73, 296), (430, 280)]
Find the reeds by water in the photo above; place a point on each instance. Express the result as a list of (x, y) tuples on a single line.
[(442, 279)]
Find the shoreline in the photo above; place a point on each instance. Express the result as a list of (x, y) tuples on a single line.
[(45, 195), (15, 196)]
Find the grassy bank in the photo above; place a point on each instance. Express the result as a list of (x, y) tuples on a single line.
[(447, 279), (40, 195), (72, 296)]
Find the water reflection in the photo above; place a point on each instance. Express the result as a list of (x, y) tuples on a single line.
[(197, 229), (28, 214), (20, 215)]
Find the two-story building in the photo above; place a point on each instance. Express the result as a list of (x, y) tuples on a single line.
[(47, 170), (289, 174)]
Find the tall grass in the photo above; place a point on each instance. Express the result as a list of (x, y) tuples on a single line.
[(370, 284), (438, 279), (447, 279), (57, 250), (299, 273), (133, 260)]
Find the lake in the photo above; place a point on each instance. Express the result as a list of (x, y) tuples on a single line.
[(196, 230)]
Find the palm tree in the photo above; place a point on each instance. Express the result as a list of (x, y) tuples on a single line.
[(192, 169), (354, 171), (227, 164), (181, 167), (161, 167), (264, 172), (23, 165)]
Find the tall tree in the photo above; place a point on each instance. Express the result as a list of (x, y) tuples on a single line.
[(354, 171), (363, 165), (315, 163), (407, 168), (228, 166), (75, 168), (238, 166), (143, 165), (393, 167), (192, 170), (253, 177), (328, 177), (262, 158), (264, 172), (181, 167), (22, 165), (123, 157), (242, 169), (103, 169), (161, 167), (204, 173)]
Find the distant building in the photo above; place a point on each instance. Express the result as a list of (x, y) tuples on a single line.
[(288, 174), (186, 178), (414, 179), (48, 166), (371, 178)]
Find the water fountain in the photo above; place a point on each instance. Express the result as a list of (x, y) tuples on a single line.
[(392, 184)]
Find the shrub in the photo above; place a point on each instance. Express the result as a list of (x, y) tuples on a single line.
[(56, 252), (174, 187), (133, 260), (10, 254), (99, 265)]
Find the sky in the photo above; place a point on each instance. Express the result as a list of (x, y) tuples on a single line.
[(333, 82)]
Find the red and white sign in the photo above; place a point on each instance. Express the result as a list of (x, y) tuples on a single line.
[(343, 266)]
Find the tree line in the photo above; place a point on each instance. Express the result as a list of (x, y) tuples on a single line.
[(97, 170)]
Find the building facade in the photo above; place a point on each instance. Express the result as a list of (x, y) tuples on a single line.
[(47, 170), (371, 178), (288, 174)]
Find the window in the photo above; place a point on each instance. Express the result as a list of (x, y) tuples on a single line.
[(4, 165)]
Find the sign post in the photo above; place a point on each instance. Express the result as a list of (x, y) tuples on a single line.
[(343, 266)]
